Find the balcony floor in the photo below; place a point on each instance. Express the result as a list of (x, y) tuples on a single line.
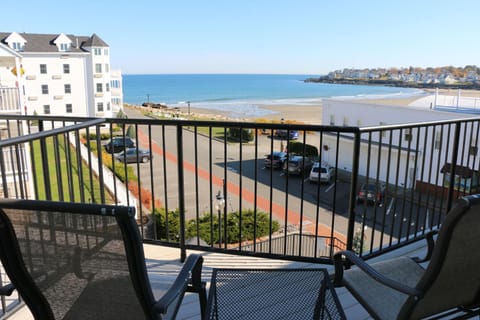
[(163, 265)]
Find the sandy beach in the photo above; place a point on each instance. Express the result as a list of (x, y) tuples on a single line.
[(309, 114)]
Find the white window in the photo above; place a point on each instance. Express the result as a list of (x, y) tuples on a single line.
[(97, 51), (332, 119), (68, 88), (345, 121), (107, 67), (43, 68), (46, 109), (98, 68), (107, 87), (105, 52), (438, 140), (408, 134), (383, 133), (473, 150), (44, 88), (64, 46), (66, 68), (68, 108), (100, 106), (17, 46), (108, 106), (99, 87)]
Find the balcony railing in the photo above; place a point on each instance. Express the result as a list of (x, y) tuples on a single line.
[(210, 192)]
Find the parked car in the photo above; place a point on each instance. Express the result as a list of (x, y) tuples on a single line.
[(298, 165), (275, 159), (118, 144), (286, 134), (321, 172), (130, 155), (371, 193)]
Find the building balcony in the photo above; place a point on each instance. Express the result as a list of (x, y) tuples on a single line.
[(216, 171)]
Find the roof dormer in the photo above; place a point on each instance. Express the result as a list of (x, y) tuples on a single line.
[(16, 41), (63, 42)]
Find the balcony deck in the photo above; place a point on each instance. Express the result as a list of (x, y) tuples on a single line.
[(163, 265)]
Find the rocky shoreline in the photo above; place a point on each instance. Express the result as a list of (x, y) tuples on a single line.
[(391, 83)]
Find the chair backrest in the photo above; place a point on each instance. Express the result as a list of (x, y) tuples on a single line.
[(452, 278), (75, 260)]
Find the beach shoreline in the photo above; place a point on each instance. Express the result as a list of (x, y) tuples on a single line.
[(301, 113)]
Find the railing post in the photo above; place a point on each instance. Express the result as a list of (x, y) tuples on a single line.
[(353, 188), (181, 192), (451, 186), (46, 170)]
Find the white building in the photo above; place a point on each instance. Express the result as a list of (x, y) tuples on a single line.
[(60, 74), (420, 152)]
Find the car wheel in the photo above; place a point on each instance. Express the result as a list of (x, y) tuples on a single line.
[(145, 159)]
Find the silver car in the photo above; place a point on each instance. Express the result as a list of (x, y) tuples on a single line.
[(321, 172), (133, 155)]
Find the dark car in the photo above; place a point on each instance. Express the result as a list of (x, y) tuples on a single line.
[(286, 134), (118, 144), (131, 155), (298, 165), (275, 159), (371, 193)]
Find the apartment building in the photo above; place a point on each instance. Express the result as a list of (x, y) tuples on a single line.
[(59, 74)]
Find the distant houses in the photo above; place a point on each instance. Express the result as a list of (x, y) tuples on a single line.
[(468, 77)]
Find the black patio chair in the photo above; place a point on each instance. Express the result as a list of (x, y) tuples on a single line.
[(401, 288), (85, 261)]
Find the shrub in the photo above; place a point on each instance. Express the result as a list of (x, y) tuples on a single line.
[(241, 134), (163, 226), (302, 149), (131, 132), (208, 227)]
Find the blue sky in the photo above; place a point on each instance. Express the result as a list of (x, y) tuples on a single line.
[(263, 36)]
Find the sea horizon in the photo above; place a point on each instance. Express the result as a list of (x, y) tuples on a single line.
[(245, 94)]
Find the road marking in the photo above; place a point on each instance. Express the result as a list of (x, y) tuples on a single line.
[(390, 206), (330, 187)]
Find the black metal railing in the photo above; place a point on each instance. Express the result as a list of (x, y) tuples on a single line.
[(206, 185)]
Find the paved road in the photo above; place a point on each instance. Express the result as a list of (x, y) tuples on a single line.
[(239, 168)]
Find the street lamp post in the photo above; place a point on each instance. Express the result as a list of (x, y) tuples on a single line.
[(219, 205), (188, 104)]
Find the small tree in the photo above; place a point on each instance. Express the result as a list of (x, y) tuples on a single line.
[(131, 132)]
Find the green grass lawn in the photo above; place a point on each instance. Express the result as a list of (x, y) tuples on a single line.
[(66, 179)]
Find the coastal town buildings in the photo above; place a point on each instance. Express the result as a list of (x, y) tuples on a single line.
[(58, 74)]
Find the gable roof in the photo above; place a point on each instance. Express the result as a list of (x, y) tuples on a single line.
[(45, 42)]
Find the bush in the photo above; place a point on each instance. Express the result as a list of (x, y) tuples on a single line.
[(158, 223), (131, 132), (241, 134), (302, 149), (250, 229)]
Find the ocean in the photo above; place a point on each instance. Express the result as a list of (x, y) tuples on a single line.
[(243, 94)]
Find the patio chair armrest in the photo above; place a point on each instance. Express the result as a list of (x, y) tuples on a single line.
[(7, 290), (360, 263), (189, 279), (430, 246)]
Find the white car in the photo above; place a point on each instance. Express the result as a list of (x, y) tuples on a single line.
[(321, 172)]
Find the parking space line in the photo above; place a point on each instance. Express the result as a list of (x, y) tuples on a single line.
[(330, 187), (390, 205)]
